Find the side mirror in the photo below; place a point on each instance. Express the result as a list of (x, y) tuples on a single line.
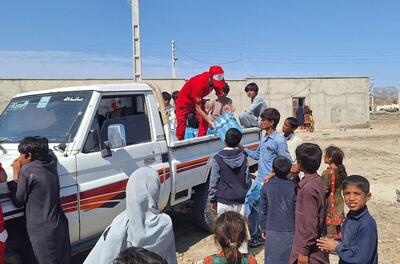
[(116, 136)]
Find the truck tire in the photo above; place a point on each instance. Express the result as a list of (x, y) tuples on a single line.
[(202, 213)]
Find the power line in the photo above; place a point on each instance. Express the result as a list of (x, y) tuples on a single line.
[(207, 62)]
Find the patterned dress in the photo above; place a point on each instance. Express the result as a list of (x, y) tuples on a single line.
[(221, 259)]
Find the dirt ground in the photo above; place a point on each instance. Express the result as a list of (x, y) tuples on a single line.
[(372, 152)]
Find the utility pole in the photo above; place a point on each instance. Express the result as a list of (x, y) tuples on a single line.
[(398, 95), (372, 95), (174, 59), (137, 58)]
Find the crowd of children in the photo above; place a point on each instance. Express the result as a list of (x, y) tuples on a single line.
[(298, 220), (288, 207), (296, 213)]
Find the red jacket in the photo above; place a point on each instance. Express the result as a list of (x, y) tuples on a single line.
[(194, 90)]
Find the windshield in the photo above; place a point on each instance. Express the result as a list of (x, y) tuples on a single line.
[(55, 116)]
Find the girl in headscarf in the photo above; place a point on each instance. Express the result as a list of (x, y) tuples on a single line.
[(140, 225)]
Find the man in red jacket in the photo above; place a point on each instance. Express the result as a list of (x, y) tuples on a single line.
[(190, 99)]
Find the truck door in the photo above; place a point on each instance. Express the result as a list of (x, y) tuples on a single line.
[(102, 181)]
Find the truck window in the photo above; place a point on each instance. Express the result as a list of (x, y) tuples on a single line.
[(129, 110), (56, 116)]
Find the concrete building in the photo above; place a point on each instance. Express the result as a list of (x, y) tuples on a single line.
[(335, 101)]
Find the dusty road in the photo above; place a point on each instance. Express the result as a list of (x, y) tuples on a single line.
[(373, 153)]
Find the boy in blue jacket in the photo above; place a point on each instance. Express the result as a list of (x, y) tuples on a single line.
[(272, 144), (359, 243)]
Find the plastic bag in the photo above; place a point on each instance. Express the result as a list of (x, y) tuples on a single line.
[(224, 122)]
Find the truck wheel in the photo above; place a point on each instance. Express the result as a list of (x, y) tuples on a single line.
[(203, 216)]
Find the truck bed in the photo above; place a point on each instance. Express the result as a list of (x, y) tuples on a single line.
[(192, 157)]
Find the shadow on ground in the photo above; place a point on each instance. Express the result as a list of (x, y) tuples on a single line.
[(255, 251), (187, 233)]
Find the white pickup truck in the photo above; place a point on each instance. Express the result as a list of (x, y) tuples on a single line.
[(101, 134)]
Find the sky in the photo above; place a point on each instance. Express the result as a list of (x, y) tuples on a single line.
[(254, 38)]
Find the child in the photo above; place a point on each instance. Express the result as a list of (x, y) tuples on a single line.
[(359, 243), (174, 96), (308, 119), (251, 116), (36, 186), (167, 102), (138, 255), (169, 110), (293, 141), (230, 179), (219, 106), (310, 208), (229, 233), (277, 207), (271, 145), (222, 104), (333, 178)]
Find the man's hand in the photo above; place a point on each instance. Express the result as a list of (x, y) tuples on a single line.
[(327, 244), (269, 177), (213, 207), (16, 165), (263, 235), (204, 115), (301, 259)]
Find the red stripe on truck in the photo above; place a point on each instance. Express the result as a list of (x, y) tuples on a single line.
[(102, 197), (113, 187)]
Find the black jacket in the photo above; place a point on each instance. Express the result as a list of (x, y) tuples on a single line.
[(230, 179)]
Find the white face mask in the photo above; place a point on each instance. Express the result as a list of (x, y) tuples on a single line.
[(218, 77)]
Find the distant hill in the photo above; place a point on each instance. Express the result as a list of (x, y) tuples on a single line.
[(386, 95), (388, 92)]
